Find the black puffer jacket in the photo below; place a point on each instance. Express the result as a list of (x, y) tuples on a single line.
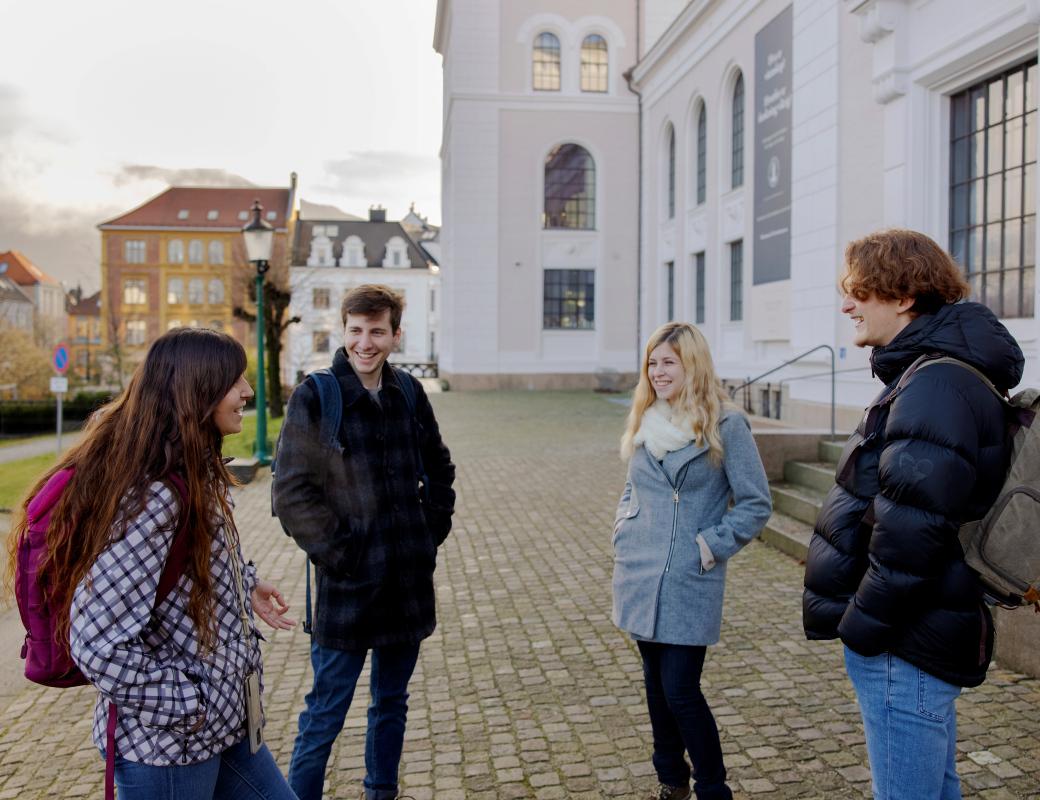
[(885, 570)]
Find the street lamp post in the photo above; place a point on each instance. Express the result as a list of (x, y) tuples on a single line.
[(259, 237)]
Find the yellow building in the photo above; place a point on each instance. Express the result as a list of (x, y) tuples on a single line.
[(179, 259)]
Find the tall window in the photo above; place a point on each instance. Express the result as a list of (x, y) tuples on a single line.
[(570, 188), (993, 189), (216, 252), (135, 292), (136, 330), (671, 174), (320, 298), (195, 251), (196, 292), (175, 251), (702, 155), (569, 299), (353, 252), (215, 291), (546, 63), (737, 162), (669, 269), (698, 300), (321, 341), (175, 291), (133, 251), (594, 63), (736, 281)]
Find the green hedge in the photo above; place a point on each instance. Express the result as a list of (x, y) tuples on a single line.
[(20, 417)]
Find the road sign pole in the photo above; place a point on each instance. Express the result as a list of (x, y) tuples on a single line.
[(60, 395)]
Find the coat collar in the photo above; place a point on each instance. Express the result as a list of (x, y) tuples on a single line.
[(353, 389), (675, 461)]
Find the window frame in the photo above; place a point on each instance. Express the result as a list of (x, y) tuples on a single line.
[(595, 65), (736, 165), (541, 66), (736, 280), (134, 287), (582, 307), (584, 213), (702, 154)]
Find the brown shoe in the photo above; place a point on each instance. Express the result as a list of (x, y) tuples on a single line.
[(666, 792)]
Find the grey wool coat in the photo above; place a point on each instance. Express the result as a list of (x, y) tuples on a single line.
[(662, 592)]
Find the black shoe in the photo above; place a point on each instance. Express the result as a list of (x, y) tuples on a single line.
[(666, 792)]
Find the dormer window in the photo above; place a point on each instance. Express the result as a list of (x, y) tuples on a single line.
[(353, 253), (243, 215), (182, 214), (321, 249), (212, 214), (272, 215), (396, 253)]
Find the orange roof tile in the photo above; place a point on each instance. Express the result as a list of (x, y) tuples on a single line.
[(204, 207), (23, 271)]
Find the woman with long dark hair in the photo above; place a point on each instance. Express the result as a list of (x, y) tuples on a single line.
[(174, 677), (696, 493)]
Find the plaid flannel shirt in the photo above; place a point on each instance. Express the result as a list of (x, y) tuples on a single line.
[(173, 704)]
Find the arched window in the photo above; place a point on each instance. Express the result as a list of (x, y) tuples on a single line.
[(570, 188), (175, 251), (196, 292), (216, 252), (702, 154), (737, 161), (594, 62), (195, 251), (546, 63), (671, 173), (216, 291)]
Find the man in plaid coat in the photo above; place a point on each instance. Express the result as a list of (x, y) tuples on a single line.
[(357, 509)]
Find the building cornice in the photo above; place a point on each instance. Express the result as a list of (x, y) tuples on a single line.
[(176, 228), (689, 17), (440, 25)]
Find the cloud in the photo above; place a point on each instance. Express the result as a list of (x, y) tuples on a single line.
[(193, 176), (360, 170)]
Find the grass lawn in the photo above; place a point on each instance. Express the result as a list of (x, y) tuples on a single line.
[(240, 445), (17, 476)]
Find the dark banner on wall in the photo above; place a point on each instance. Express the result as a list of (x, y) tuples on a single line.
[(773, 94)]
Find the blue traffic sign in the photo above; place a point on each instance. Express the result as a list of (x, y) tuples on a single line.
[(60, 358)]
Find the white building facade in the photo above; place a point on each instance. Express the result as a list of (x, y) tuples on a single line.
[(539, 192), (775, 132), (332, 256)]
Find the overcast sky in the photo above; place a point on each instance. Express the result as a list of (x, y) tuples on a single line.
[(105, 103)]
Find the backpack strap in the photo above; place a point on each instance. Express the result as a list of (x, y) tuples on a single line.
[(330, 399), (404, 380)]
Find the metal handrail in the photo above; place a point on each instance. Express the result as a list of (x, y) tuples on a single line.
[(733, 391)]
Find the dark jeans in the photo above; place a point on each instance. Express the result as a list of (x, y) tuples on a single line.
[(336, 674), (235, 774), (681, 720)]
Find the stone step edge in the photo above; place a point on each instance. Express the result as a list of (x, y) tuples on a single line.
[(788, 535)]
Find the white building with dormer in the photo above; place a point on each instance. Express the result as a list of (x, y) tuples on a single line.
[(721, 182), (332, 252)]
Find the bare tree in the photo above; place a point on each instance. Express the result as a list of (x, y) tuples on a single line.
[(276, 304)]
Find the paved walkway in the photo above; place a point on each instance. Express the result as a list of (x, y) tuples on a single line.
[(527, 690)]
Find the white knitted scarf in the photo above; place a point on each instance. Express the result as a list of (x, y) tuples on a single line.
[(659, 433)]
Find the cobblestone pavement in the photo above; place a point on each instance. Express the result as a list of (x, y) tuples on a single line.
[(527, 690)]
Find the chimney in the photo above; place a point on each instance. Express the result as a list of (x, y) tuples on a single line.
[(376, 214)]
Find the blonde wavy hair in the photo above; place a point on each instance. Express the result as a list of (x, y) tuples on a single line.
[(701, 399)]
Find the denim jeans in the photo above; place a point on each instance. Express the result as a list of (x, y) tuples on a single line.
[(235, 773), (681, 720), (336, 675), (910, 723)]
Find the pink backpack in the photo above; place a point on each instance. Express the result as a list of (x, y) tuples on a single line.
[(47, 658)]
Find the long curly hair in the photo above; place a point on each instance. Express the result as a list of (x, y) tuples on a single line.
[(162, 423), (701, 399)]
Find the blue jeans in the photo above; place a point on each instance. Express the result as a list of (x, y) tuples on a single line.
[(681, 720), (235, 773), (910, 723), (336, 675)]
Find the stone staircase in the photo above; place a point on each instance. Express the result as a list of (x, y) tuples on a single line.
[(797, 500)]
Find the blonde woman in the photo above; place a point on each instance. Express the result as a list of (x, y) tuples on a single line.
[(696, 493)]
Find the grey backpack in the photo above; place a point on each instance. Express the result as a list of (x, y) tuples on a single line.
[(1004, 546)]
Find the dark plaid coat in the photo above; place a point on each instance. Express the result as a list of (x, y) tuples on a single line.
[(357, 510)]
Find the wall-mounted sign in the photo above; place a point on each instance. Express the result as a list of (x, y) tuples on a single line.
[(773, 96)]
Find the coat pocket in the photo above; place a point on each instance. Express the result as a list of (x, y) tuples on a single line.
[(626, 512)]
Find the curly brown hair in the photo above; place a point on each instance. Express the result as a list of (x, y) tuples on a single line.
[(896, 264)]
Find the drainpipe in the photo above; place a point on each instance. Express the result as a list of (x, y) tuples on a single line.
[(639, 195)]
